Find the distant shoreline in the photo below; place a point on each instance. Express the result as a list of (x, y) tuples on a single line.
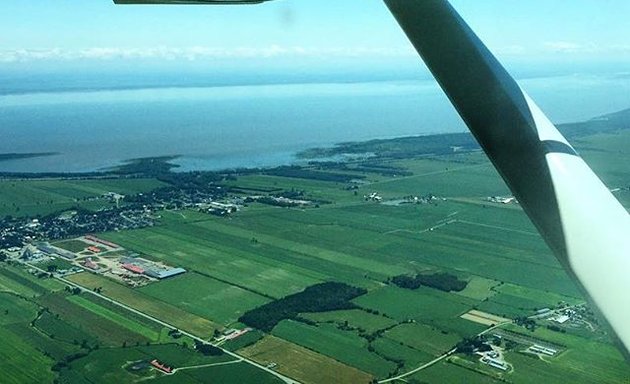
[(28, 155), (400, 147)]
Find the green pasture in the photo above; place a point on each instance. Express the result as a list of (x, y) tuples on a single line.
[(344, 346), (397, 351), (134, 298), (118, 318), (42, 197), (15, 309), (479, 288), (72, 245), (580, 360), (425, 305), (445, 372), (431, 341), (355, 318), (83, 315), (314, 189), (62, 331), (25, 283), (206, 297), (107, 365), (22, 362)]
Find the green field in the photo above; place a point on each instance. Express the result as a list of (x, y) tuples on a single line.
[(397, 351), (121, 320), (343, 346), (354, 318), (263, 252), (220, 302), (22, 362), (424, 305), (103, 366), (433, 342), (445, 372), (41, 197)]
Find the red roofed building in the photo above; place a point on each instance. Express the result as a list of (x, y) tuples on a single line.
[(162, 367), (133, 268)]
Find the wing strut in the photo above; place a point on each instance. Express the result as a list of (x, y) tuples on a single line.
[(582, 222)]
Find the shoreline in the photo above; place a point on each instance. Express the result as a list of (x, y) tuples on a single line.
[(374, 149)]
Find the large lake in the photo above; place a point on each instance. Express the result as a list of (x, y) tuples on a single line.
[(216, 127)]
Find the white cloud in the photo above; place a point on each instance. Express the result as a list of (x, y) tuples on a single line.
[(196, 53), (563, 47)]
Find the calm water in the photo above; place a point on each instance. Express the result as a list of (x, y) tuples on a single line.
[(253, 125)]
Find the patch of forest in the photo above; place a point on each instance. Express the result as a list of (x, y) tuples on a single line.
[(440, 280), (329, 296)]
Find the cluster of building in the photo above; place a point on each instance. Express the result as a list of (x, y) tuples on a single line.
[(17, 232), (502, 199), (149, 268), (50, 250), (217, 208), (374, 196), (566, 315), (233, 333), (543, 350), (493, 359)]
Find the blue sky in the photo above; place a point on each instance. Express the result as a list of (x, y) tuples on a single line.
[(297, 32)]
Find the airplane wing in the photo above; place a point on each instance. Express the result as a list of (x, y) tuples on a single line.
[(582, 222)]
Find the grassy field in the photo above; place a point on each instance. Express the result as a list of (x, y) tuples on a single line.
[(263, 252), (445, 372), (16, 355), (120, 319), (584, 360), (346, 347), (354, 318), (397, 351), (62, 331), (169, 313), (303, 364), (41, 197), (425, 305), (220, 302), (433, 342), (72, 245), (104, 366), (479, 288), (22, 282), (20, 346), (108, 331)]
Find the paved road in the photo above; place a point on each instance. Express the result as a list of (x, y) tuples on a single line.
[(286, 379), (206, 365)]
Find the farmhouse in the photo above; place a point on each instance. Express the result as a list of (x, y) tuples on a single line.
[(161, 366)]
